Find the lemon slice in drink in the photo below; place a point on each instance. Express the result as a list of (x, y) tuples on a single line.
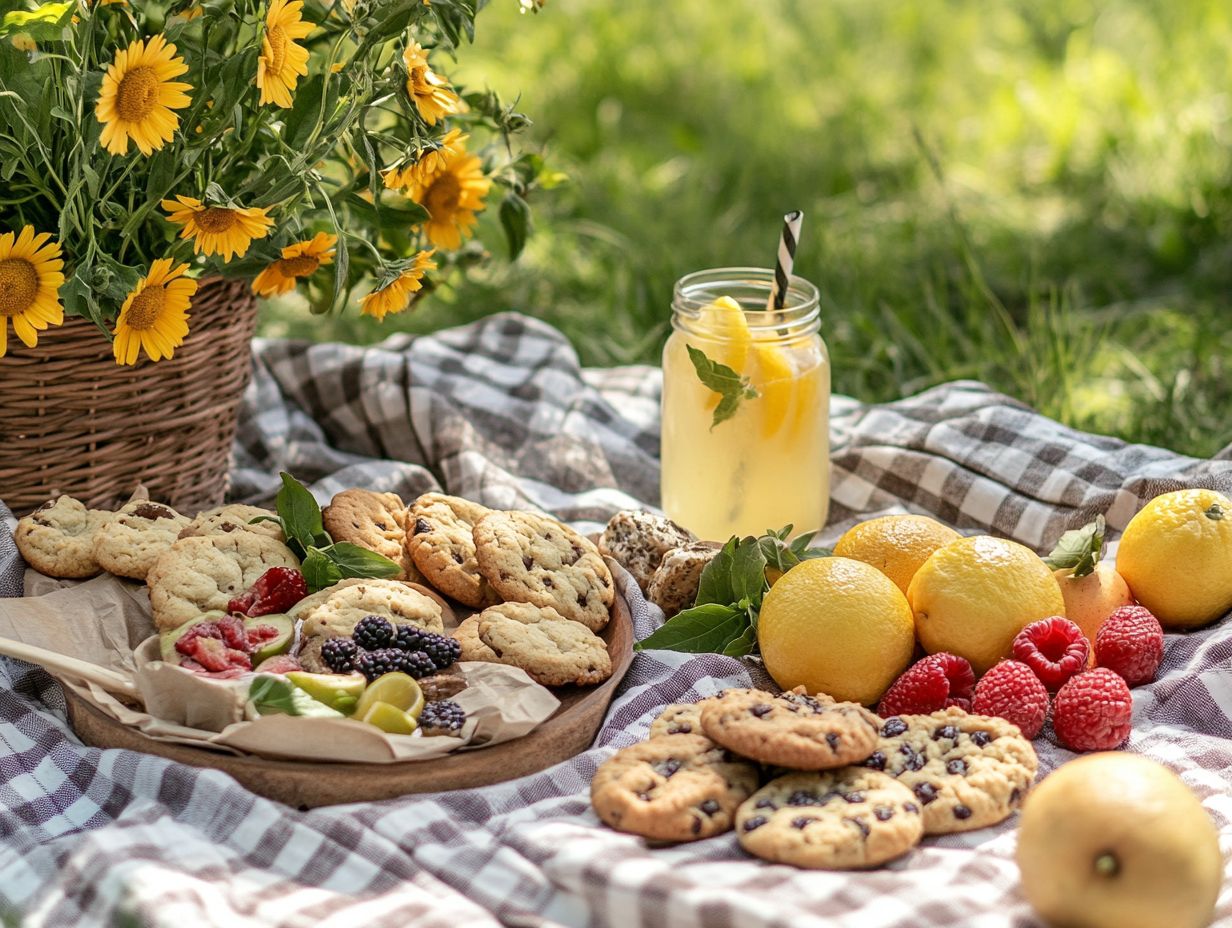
[(723, 320), (389, 718), (775, 381), (397, 689)]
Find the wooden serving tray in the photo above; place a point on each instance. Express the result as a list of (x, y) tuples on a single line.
[(570, 730)]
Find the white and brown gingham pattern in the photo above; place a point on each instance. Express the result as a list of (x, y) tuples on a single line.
[(499, 411)]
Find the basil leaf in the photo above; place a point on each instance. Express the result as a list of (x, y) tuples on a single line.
[(742, 644), (354, 561), (731, 386), (272, 696), (715, 585), (1080, 549), (702, 629), (748, 572), (299, 513), (319, 570)]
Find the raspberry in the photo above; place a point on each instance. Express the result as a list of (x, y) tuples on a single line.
[(373, 632), (934, 682), (1013, 692), (339, 654), (1092, 711), (1131, 643), (1055, 649)]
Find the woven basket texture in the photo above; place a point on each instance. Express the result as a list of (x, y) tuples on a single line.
[(73, 421)]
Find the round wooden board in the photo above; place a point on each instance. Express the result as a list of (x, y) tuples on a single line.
[(570, 730)]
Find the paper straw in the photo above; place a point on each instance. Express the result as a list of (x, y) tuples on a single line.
[(787, 257)]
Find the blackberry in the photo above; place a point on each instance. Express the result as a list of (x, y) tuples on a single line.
[(373, 632), (442, 718), (443, 650), (373, 664), (339, 654), (417, 664)]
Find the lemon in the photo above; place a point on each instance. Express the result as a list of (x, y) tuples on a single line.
[(724, 321), (341, 692), (1116, 840), (895, 545), (398, 689), (836, 626), (1176, 556), (972, 596), (1091, 599), (776, 382), (389, 718)]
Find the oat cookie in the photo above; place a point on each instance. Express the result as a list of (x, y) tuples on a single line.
[(130, 543), (57, 539), (682, 718), (376, 521), (792, 730), (967, 771), (638, 540), (531, 558), (830, 820), (235, 517), (198, 574), (467, 635), (440, 540), (336, 610), (674, 585), (681, 788), (552, 650)]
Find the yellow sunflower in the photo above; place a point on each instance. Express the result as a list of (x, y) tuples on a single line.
[(154, 317), (431, 93), (451, 195), (30, 279), (218, 230), (429, 163), (138, 96), (300, 259), (394, 297), (282, 62)]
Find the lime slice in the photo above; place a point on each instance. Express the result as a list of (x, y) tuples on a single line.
[(389, 718), (775, 381), (398, 689), (335, 690)]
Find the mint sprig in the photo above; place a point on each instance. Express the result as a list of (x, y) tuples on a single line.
[(730, 385), (1080, 549)]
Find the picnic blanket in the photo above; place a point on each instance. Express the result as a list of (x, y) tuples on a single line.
[(501, 412)]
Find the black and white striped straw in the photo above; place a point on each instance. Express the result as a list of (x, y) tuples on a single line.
[(787, 257)]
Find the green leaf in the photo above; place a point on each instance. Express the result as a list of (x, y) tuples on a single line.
[(299, 513), (515, 220), (274, 696), (305, 112), (319, 570), (715, 585), (782, 555), (702, 629), (743, 644), (748, 573), (355, 561), (43, 23), (1080, 549), (720, 378)]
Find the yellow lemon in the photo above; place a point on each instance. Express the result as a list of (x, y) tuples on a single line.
[(776, 382), (1116, 840), (724, 321), (896, 545), (389, 718), (1176, 556), (836, 626), (397, 689), (1091, 599), (972, 596)]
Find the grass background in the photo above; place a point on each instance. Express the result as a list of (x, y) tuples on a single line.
[(1034, 193)]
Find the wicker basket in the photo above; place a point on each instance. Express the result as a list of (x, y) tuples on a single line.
[(73, 421)]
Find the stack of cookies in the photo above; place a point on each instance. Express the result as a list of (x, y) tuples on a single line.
[(812, 782), (665, 560)]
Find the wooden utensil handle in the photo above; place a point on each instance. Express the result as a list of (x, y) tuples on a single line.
[(110, 680)]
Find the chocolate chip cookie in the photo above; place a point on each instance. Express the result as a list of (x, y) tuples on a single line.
[(531, 558), (376, 521), (833, 820), (57, 539), (552, 650), (196, 575), (681, 788), (967, 771), (674, 584), (440, 539), (129, 543), (467, 635), (682, 718), (791, 730), (235, 517), (336, 610), (638, 540)]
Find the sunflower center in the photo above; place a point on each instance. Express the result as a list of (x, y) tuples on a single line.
[(278, 42), (18, 286), (137, 94), (215, 219), (299, 266), (443, 196), (145, 308)]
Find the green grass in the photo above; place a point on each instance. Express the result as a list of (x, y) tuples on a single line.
[(1034, 193)]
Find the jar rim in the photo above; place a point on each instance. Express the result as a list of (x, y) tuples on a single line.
[(751, 288)]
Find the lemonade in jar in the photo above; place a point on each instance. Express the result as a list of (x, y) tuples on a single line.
[(746, 400)]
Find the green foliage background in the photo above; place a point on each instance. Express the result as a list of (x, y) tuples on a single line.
[(1034, 193)]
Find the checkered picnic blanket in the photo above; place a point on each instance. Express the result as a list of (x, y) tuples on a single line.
[(501, 412)]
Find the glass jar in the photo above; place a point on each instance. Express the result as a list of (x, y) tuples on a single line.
[(768, 464)]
